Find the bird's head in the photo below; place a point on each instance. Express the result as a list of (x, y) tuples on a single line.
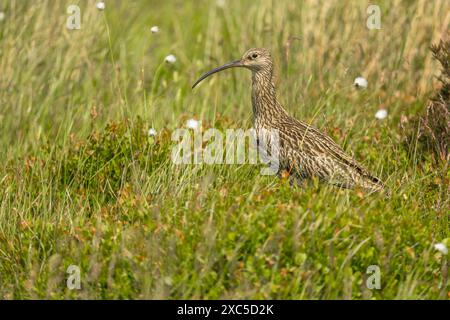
[(255, 59)]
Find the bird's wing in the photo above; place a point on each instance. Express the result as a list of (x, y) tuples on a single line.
[(316, 145)]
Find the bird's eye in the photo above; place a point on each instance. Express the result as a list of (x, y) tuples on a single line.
[(255, 55)]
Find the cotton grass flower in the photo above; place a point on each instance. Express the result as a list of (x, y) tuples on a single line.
[(360, 83), (221, 3), (170, 59), (152, 132), (192, 124), (154, 29), (381, 114), (442, 248), (2, 16), (101, 5)]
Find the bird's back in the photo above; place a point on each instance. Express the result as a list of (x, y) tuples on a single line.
[(306, 152)]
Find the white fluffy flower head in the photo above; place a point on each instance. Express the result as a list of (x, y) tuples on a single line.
[(152, 132), (381, 114), (192, 124), (361, 83), (221, 3), (441, 247), (101, 5), (170, 59)]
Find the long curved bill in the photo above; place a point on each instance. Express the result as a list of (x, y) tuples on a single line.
[(232, 64)]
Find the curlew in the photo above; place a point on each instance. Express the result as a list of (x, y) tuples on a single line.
[(304, 152)]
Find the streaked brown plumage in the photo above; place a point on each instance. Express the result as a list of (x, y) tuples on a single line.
[(304, 151)]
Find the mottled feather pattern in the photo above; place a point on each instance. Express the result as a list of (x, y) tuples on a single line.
[(305, 152)]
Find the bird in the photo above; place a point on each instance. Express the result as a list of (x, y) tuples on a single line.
[(304, 151)]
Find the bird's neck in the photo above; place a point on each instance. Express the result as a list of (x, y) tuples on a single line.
[(264, 98)]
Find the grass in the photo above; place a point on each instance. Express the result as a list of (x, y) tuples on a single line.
[(82, 184)]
